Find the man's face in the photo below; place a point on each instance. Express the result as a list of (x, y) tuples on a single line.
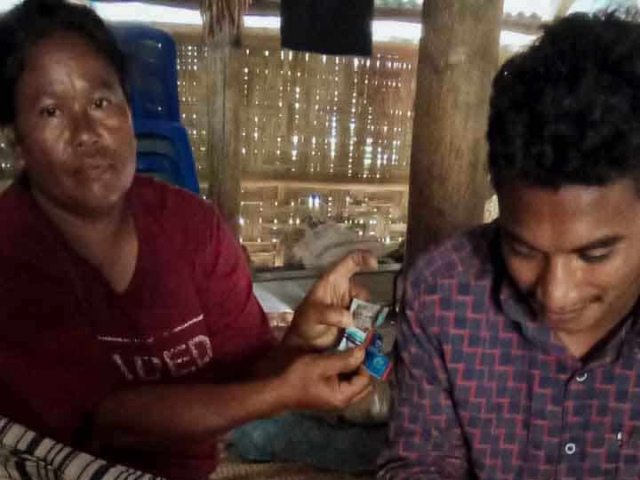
[(73, 127), (574, 252)]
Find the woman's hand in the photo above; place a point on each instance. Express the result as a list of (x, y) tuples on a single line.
[(325, 382), (324, 312)]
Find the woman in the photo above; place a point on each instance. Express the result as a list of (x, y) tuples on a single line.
[(127, 319)]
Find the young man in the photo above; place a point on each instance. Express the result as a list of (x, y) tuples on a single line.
[(520, 353)]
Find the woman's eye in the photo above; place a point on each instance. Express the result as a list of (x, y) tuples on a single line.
[(100, 103), (49, 111)]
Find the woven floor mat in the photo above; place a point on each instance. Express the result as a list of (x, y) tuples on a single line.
[(232, 467), (237, 470)]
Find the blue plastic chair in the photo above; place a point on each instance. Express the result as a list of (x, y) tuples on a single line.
[(152, 76), (164, 151), (158, 166)]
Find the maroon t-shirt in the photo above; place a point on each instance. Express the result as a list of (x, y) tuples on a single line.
[(67, 339)]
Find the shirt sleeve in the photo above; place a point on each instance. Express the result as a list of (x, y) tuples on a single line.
[(48, 376), (239, 327), (425, 440)]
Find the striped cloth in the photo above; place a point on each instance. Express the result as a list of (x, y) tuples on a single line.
[(25, 455)]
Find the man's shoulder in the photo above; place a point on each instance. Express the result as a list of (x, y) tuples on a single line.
[(450, 287), (466, 256)]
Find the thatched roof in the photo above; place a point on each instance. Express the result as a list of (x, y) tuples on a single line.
[(520, 15), (516, 21)]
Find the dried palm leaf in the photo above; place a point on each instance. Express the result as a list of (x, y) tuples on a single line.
[(222, 15)]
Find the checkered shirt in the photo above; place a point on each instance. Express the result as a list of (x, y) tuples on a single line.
[(484, 392)]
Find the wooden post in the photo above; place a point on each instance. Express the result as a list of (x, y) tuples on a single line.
[(224, 172), (458, 59)]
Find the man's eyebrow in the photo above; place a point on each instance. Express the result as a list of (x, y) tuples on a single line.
[(604, 242), (514, 237)]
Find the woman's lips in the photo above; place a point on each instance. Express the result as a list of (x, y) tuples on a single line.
[(95, 169)]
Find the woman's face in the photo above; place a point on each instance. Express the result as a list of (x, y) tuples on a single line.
[(73, 127)]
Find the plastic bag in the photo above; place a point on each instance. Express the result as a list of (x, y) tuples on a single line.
[(325, 244), (372, 409)]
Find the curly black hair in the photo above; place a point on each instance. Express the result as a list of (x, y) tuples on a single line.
[(567, 110), (35, 20)]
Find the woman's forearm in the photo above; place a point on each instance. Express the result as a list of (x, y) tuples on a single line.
[(156, 416)]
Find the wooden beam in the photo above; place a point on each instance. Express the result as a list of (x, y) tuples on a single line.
[(457, 61), (323, 184)]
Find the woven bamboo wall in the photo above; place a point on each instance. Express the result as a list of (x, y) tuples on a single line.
[(319, 138), (193, 98), (313, 116), (6, 163)]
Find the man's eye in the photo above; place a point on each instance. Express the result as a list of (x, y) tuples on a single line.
[(49, 111), (520, 250), (594, 256)]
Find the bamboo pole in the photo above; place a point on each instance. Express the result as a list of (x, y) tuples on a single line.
[(448, 180), (221, 26)]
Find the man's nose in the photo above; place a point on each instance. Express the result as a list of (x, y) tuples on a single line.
[(557, 288)]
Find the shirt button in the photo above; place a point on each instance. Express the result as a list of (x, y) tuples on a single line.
[(582, 377), (570, 448)]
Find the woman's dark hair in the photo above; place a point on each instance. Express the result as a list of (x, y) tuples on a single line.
[(567, 110), (35, 20)]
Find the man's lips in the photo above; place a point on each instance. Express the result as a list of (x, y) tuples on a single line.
[(555, 316)]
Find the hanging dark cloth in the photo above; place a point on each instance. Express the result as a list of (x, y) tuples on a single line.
[(332, 27)]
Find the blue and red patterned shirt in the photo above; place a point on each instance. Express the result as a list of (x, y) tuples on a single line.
[(485, 392)]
